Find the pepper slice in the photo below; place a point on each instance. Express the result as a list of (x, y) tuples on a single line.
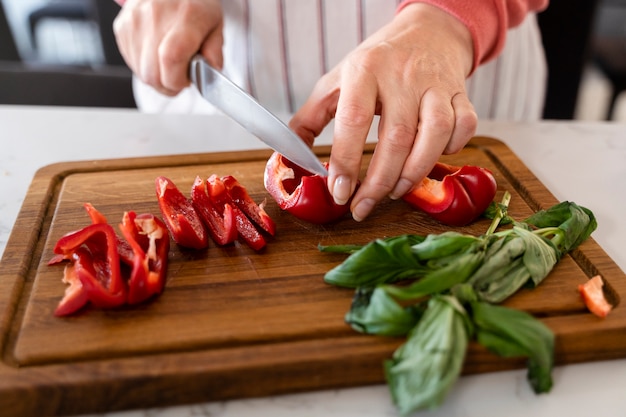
[(593, 296), (180, 216), (96, 263), (218, 193), (148, 238), (75, 297), (455, 196), (301, 193), (219, 219), (242, 199)]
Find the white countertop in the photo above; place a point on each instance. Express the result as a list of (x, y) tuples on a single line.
[(583, 162)]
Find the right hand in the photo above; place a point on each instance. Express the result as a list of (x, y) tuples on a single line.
[(158, 38)]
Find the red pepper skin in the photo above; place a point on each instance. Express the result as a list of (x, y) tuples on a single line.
[(123, 248), (246, 230), (219, 219), (148, 238), (181, 218), (75, 297), (96, 263), (301, 193), (593, 296), (254, 211), (455, 196)]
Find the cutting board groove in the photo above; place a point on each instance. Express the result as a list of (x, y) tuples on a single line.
[(233, 322)]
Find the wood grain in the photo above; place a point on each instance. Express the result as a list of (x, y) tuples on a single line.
[(233, 322)]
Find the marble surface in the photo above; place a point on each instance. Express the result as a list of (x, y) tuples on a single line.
[(580, 161)]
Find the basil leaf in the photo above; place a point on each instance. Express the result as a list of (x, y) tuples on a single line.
[(422, 371), (373, 311), (540, 255), (441, 279), (442, 245), (377, 262), (511, 333), (576, 223)]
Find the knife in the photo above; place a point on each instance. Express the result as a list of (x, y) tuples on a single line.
[(256, 119)]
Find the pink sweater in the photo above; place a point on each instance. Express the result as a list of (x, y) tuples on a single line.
[(487, 20)]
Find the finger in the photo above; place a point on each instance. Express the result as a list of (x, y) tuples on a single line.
[(355, 111), (433, 135), (396, 137), (465, 123), (211, 49), (182, 41), (319, 109)]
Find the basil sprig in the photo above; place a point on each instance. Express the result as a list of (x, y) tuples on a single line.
[(451, 283)]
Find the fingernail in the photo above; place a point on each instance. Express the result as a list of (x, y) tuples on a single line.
[(363, 209), (341, 190), (402, 187)]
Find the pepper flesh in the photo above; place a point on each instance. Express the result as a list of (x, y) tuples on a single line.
[(219, 220), (96, 263), (148, 238), (218, 193), (180, 216), (301, 193), (455, 196), (242, 199), (593, 296)]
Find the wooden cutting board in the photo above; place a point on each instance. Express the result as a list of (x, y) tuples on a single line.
[(233, 322)]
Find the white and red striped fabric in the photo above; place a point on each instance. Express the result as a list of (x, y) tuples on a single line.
[(278, 49)]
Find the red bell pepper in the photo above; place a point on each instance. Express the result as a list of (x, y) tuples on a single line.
[(218, 193), (150, 243), (219, 219), (593, 296), (93, 250), (301, 193), (455, 196), (180, 216), (75, 297), (242, 199)]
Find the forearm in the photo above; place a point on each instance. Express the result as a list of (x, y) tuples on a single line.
[(487, 20)]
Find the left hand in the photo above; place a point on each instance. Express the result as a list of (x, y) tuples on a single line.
[(412, 73)]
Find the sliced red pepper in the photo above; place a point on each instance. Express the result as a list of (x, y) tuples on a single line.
[(301, 193), (219, 219), (75, 297), (247, 231), (123, 248), (96, 263), (593, 296), (453, 195), (242, 199), (148, 238), (181, 218)]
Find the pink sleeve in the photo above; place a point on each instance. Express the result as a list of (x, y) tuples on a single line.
[(487, 20)]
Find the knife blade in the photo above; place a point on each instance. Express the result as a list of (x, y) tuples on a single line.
[(218, 90)]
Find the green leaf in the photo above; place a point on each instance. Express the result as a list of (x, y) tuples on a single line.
[(441, 279), (373, 311), (576, 223), (540, 255), (514, 333), (377, 262), (422, 371), (442, 245)]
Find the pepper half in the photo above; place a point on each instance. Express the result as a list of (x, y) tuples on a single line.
[(455, 196), (301, 193)]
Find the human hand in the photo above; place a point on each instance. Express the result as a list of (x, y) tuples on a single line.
[(158, 38), (412, 73)]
